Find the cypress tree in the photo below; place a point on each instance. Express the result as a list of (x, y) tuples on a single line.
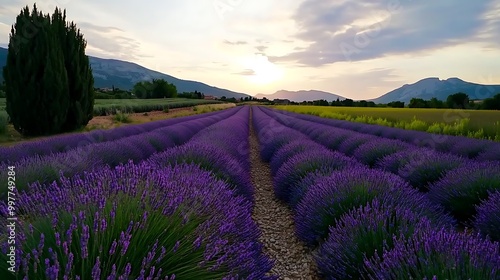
[(80, 78), (35, 77), (49, 83)]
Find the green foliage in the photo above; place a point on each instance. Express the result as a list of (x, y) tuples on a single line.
[(157, 88), (49, 90), (458, 100), (105, 107), (491, 103), (152, 233), (471, 123), (396, 104), (4, 121), (122, 118)]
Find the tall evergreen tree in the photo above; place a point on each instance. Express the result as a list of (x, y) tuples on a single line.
[(48, 79), (35, 77)]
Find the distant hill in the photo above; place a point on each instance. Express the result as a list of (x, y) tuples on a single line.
[(440, 89), (301, 95), (124, 75)]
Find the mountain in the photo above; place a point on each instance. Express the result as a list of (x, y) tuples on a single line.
[(440, 89), (124, 75), (301, 95)]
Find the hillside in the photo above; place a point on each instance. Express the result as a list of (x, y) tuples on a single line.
[(440, 89), (123, 74), (301, 95)]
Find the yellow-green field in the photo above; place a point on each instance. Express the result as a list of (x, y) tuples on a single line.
[(471, 123)]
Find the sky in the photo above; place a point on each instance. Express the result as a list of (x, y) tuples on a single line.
[(358, 49)]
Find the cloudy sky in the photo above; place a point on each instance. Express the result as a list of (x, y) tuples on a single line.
[(355, 48)]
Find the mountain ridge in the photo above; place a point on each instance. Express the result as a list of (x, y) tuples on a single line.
[(124, 75)]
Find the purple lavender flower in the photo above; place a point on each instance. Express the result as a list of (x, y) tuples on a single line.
[(364, 233), (487, 219), (332, 196), (298, 166), (461, 189), (443, 254)]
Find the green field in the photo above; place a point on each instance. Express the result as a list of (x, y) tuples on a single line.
[(104, 107), (472, 123)]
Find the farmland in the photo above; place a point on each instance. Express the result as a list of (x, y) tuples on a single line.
[(111, 113), (112, 106), (471, 123), (252, 193)]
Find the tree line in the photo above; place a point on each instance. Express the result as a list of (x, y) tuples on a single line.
[(456, 101)]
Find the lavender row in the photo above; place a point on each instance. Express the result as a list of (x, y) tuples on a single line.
[(457, 145), (68, 142), (136, 148), (456, 183), (355, 216), (222, 149), (174, 216)]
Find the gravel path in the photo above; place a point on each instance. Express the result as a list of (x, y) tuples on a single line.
[(292, 258)]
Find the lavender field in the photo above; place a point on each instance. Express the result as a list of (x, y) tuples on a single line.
[(251, 193)]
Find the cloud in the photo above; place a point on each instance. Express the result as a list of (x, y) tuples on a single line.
[(246, 72), (362, 30), (227, 42), (110, 41), (261, 48)]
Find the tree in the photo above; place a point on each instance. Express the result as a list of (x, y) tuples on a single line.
[(396, 104), (48, 79), (458, 100), (435, 103), (492, 103), (157, 88), (418, 103)]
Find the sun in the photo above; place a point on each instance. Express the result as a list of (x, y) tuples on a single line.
[(264, 71)]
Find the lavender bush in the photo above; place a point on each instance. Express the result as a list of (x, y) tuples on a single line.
[(137, 220), (333, 196), (487, 219), (298, 166), (372, 151), (364, 233), (464, 188), (438, 254)]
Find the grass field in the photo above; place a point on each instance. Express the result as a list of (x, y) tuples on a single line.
[(9, 136), (103, 107), (471, 123)]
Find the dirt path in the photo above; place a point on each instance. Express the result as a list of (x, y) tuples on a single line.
[(292, 259)]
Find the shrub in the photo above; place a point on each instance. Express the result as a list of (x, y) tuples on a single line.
[(394, 161), (353, 142), (137, 220), (335, 195), (470, 148), (298, 166), (362, 234), (438, 254), (333, 139), (122, 118), (487, 219), (464, 188), (492, 154), (420, 171), (276, 140), (289, 150), (212, 159), (372, 151), (298, 192)]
